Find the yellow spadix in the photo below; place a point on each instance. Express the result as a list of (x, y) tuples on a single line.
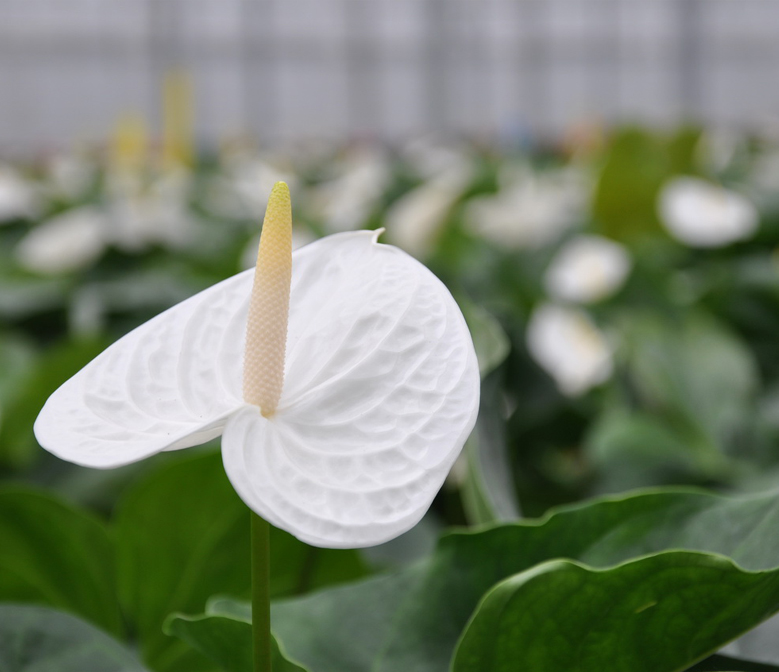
[(266, 329)]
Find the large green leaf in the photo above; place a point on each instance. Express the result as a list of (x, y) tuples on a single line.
[(55, 554), (183, 536), (656, 614), (411, 621), (36, 639), (224, 634)]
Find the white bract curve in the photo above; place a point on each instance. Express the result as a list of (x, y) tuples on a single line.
[(381, 390)]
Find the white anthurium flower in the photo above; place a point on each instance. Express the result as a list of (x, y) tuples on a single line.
[(566, 344), (414, 221), (587, 269), (141, 215), (531, 210), (342, 378), (347, 201), (67, 242), (702, 214), (69, 174), (430, 157), (17, 196)]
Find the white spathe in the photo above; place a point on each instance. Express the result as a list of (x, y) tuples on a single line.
[(702, 214), (140, 215), (414, 222), (17, 196), (587, 269), (67, 242), (347, 201), (381, 390), (531, 209), (566, 344)]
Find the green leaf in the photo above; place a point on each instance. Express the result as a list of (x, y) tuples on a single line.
[(36, 639), (624, 200), (183, 536), (18, 446), (490, 341), (488, 491), (55, 554), (698, 376), (411, 620), (224, 634), (656, 614)]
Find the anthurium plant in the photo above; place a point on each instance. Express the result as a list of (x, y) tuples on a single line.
[(466, 410)]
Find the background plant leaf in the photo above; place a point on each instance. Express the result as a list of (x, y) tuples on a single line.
[(224, 634), (412, 620), (37, 639), (55, 554)]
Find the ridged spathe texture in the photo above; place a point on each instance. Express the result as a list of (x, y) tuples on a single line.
[(266, 328), (380, 392)]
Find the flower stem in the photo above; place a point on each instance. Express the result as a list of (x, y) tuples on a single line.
[(261, 593)]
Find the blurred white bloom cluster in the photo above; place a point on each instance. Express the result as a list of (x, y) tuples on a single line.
[(132, 215), (531, 209)]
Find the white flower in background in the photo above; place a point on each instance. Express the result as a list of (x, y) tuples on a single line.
[(17, 196), (702, 214), (69, 175), (347, 201), (342, 378), (239, 190), (141, 215), (569, 347), (530, 210), (587, 269), (414, 221), (430, 158), (64, 243)]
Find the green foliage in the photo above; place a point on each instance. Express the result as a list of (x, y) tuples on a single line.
[(657, 613), (17, 442), (224, 634), (36, 639), (412, 620), (54, 554)]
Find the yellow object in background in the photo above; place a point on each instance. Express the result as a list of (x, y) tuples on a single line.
[(177, 138), (130, 143)]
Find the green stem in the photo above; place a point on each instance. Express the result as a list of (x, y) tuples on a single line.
[(261, 594)]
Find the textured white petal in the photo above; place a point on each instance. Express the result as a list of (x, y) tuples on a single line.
[(168, 384), (381, 390), (589, 268), (702, 214)]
